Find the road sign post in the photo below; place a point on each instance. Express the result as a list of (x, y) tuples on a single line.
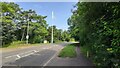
[(27, 37)]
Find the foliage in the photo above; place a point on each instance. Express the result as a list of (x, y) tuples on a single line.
[(97, 26), (13, 44), (8, 27), (15, 22), (68, 51), (58, 35), (18, 23), (19, 44)]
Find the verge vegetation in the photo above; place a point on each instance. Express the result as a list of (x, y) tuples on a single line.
[(97, 26), (68, 51)]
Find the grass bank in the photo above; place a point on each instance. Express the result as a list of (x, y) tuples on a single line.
[(17, 44), (85, 50), (68, 51)]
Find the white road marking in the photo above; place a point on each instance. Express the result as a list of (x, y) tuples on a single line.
[(18, 55), (27, 54), (10, 56), (36, 54), (50, 59), (35, 51)]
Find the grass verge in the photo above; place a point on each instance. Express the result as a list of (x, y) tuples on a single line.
[(17, 44), (68, 51), (85, 50)]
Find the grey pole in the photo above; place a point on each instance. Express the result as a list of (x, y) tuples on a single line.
[(27, 37), (52, 27)]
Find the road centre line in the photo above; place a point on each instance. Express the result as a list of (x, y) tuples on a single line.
[(10, 56), (18, 55), (28, 54), (25, 55), (50, 59)]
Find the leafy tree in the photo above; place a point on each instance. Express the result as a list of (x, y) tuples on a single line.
[(58, 34), (97, 25), (8, 27), (65, 36), (15, 23)]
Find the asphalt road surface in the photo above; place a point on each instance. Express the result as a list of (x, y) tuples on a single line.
[(32, 56), (41, 57)]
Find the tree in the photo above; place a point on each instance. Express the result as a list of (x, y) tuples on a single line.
[(65, 36), (58, 34), (8, 27), (97, 27), (15, 23)]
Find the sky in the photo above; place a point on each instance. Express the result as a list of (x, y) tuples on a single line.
[(62, 11)]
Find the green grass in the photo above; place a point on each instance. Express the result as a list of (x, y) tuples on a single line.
[(68, 51), (13, 44), (17, 44), (85, 49), (58, 41)]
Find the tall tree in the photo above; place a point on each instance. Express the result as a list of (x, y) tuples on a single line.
[(97, 27), (8, 27), (15, 22)]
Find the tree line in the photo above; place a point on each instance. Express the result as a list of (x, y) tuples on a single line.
[(97, 25), (15, 23)]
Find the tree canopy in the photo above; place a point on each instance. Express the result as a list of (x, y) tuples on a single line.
[(17, 23), (96, 24)]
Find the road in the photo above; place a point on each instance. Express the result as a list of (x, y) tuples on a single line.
[(32, 56), (42, 56)]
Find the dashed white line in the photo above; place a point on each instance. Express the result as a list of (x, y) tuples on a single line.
[(36, 51), (50, 60), (27, 54), (18, 55), (10, 56), (36, 54)]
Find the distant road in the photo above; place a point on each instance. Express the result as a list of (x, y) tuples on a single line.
[(31, 56)]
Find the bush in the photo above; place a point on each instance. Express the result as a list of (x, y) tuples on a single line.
[(14, 43)]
